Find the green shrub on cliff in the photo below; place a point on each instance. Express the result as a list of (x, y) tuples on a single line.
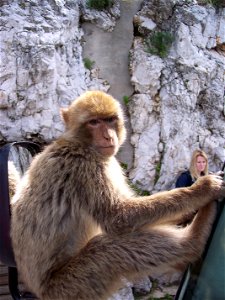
[(99, 4), (159, 43)]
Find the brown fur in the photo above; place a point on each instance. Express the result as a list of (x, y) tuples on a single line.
[(77, 228)]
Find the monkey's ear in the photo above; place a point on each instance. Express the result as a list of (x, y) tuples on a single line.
[(64, 112)]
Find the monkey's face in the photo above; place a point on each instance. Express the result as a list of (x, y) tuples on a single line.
[(95, 119), (103, 133)]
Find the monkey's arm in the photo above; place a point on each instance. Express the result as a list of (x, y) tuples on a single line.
[(164, 206)]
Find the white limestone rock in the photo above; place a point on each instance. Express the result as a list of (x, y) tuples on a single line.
[(41, 67), (105, 19), (142, 286), (189, 87), (146, 69), (125, 293)]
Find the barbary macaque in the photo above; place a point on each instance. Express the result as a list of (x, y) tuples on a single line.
[(77, 227)]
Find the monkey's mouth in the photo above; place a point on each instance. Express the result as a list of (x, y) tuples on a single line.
[(107, 150)]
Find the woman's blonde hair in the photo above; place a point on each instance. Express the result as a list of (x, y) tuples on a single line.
[(193, 169)]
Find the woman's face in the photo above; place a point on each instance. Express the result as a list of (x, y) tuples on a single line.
[(200, 164)]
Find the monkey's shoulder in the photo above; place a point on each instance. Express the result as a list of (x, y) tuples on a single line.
[(117, 178), (64, 164), (63, 153)]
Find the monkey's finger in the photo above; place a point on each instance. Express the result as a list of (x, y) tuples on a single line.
[(220, 173), (218, 176)]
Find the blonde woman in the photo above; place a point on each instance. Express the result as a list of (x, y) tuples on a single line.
[(198, 167)]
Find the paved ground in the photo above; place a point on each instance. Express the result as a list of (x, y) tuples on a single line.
[(110, 51)]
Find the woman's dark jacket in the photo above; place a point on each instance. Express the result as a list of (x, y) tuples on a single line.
[(184, 180)]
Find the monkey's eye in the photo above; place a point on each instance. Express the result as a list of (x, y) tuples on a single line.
[(111, 119), (94, 122)]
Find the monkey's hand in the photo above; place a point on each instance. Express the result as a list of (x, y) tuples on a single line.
[(211, 186), (220, 173)]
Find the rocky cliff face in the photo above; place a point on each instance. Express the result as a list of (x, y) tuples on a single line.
[(41, 67), (178, 104), (178, 101)]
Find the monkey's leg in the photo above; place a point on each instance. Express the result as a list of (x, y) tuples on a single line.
[(96, 271), (199, 229)]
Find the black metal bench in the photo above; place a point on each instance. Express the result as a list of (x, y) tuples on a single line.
[(6, 251)]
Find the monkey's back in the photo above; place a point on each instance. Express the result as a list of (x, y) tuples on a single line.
[(46, 213)]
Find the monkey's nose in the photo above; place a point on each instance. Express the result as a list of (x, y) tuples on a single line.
[(108, 134)]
